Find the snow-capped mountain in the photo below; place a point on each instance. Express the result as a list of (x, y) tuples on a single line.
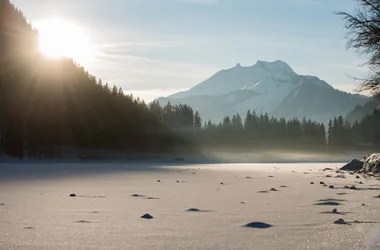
[(266, 87)]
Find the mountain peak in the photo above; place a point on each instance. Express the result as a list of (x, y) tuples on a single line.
[(266, 87), (277, 65)]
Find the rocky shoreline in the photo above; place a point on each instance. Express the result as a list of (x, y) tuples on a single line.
[(369, 164)]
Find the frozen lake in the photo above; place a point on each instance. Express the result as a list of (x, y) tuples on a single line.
[(37, 212)]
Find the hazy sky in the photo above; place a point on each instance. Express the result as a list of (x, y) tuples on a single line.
[(157, 47)]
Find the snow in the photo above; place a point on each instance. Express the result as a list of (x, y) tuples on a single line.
[(272, 91), (276, 66), (38, 213), (295, 94), (240, 77), (273, 81), (372, 163), (250, 86)]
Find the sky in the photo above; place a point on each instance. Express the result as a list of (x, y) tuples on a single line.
[(154, 48)]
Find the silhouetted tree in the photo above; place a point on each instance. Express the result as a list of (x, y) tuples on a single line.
[(197, 121), (330, 130), (47, 105), (364, 36)]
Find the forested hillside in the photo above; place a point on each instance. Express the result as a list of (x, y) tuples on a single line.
[(50, 104), (266, 87), (360, 111), (260, 131)]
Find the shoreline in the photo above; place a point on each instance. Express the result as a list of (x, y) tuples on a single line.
[(212, 158)]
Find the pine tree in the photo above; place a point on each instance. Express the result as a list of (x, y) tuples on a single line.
[(197, 121), (120, 92), (61, 105), (209, 124), (107, 88), (237, 122), (248, 121), (330, 131), (114, 90), (226, 122), (322, 135)]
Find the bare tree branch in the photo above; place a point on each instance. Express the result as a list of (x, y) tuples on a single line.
[(372, 4), (363, 35)]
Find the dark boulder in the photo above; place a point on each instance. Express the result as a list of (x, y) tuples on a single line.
[(147, 216), (340, 221), (260, 225), (353, 165), (194, 210)]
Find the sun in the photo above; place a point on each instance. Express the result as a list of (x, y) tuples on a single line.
[(59, 38)]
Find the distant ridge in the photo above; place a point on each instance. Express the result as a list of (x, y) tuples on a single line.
[(266, 87)]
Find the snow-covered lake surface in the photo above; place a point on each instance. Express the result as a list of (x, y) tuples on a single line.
[(36, 211)]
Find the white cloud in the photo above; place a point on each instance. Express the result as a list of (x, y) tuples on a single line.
[(133, 44), (146, 77), (155, 66)]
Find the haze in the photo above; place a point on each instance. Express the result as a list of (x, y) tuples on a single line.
[(156, 48)]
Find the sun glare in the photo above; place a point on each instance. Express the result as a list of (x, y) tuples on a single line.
[(58, 38)]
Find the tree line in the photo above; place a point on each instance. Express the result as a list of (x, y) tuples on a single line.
[(364, 133), (48, 106), (252, 131), (262, 131)]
